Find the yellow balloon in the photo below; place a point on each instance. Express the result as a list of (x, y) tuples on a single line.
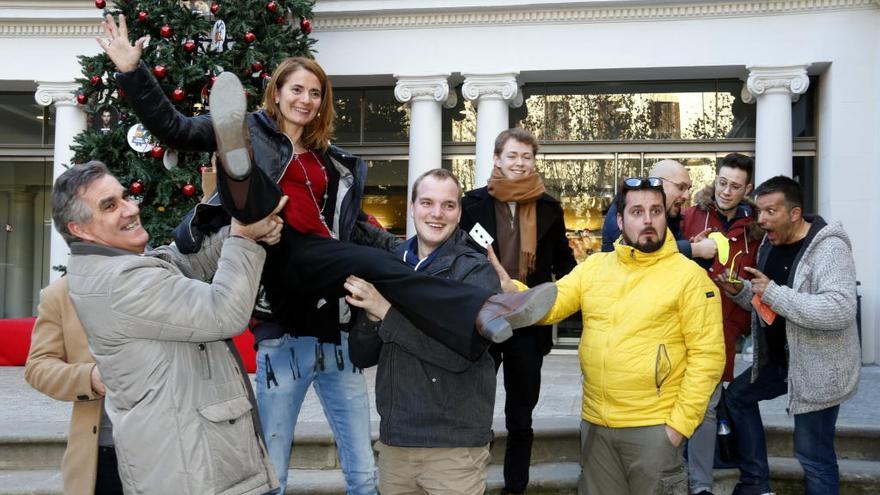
[(723, 246)]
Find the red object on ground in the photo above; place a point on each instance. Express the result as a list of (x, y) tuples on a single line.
[(15, 333)]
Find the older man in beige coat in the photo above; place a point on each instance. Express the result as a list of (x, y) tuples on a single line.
[(60, 365)]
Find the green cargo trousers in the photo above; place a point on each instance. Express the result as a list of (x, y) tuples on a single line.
[(630, 461)]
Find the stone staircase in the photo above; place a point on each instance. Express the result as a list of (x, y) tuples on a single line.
[(30, 455)]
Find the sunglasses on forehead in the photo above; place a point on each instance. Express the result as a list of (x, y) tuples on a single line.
[(642, 182)]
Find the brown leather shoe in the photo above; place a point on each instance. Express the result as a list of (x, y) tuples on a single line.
[(502, 313)]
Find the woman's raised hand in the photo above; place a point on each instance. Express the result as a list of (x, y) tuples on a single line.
[(123, 54)]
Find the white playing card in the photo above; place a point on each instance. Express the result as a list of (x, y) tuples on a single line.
[(479, 234)]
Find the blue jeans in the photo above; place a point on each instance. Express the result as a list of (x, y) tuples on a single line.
[(286, 367), (813, 435)]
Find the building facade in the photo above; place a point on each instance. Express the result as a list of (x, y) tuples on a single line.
[(609, 87)]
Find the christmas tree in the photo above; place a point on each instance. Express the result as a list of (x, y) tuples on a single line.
[(190, 43)]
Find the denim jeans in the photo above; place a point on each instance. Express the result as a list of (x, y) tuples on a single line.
[(286, 367), (813, 435)]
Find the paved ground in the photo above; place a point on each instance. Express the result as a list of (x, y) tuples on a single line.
[(560, 398)]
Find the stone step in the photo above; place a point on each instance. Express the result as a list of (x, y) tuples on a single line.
[(857, 478), (557, 440)]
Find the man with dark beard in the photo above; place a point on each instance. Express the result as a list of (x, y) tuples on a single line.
[(651, 353)]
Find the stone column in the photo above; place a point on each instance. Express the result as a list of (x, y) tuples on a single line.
[(425, 94), (70, 120), (493, 95), (774, 89)]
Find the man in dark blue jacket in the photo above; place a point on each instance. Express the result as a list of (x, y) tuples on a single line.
[(435, 405)]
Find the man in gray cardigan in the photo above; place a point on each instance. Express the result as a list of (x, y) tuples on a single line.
[(435, 405), (803, 296), (157, 323)]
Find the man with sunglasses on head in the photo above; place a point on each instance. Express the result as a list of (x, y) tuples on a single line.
[(806, 338), (651, 353), (677, 188), (722, 207)]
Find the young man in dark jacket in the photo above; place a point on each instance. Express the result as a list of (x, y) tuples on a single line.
[(435, 405), (530, 243)]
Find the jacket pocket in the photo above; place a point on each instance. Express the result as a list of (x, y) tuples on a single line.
[(205, 360), (662, 367), (231, 442)]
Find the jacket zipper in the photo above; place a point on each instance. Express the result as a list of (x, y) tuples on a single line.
[(661, 355)]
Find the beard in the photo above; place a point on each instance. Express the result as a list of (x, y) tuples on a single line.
[(647, 246)]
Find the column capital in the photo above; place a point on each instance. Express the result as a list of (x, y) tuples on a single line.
[(789, 79), (433, 87), (57, 93), (493, 86)]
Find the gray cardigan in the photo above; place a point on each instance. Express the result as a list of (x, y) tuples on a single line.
[(180, 403), (428, 395), (819, 309)]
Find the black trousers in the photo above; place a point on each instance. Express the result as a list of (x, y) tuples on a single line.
[(522, 357), (309, 266), (107, 481)]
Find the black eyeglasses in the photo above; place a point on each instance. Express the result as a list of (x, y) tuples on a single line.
[(642, 182)]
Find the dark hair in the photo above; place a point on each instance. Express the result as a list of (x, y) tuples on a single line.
[(790, 189), (623, 189), (517, 133), (318, 132), (439, 174), (67, 206), (740, 161)]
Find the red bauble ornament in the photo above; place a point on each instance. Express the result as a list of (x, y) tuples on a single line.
[(165, 31), (189, 46), (178, 94), (160, 71), (280, 19), (305, 25), (202, 167), (82, 99), (136, 188), (157, 152), (265, 74), (95, 81), (271, 7), (100, 4), (188, 190), (143, 17), (250, 37), (257, 66), (215, 7), (120, 93)]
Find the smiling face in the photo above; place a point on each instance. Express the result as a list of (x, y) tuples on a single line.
[(115, 218), (730, 188), (436, 211), (777, 219), (643, 221), (517, 159), (677, 186), (299, 99)]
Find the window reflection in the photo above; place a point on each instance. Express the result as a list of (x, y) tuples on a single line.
[(385, 194), (636, 111), (25, 209), (21, 119)]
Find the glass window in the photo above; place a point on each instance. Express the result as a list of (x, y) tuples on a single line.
[(385, 194), (459, 123), (25, 213), (635, 111), (21, 119), (386, 120), (348, 107)]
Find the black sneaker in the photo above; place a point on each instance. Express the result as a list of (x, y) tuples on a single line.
[(228, 113)]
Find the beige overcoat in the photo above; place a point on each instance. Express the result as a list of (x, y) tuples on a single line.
[(59, 365)]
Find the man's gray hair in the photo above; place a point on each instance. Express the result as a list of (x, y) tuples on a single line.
[(67, 206)]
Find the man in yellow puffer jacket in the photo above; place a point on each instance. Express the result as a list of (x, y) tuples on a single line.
[(651, 353)]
